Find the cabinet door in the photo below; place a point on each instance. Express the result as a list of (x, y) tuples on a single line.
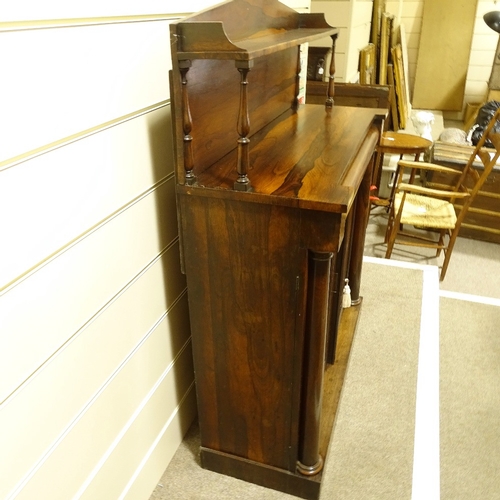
[(245, 271)]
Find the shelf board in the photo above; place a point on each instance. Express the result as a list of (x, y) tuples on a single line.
[(198, 45)]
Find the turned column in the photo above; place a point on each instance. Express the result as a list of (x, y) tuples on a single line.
[(187, 125), (243, 182), (297, 77), (331, 84), (310, 461)]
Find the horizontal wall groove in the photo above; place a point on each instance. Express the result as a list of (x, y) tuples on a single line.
[(29, 272), (83, 22), (96, 315), (108, 453), (29, 155), (156, 441), (21, 484)]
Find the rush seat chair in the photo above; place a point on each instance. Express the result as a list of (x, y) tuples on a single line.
[(431, 217)]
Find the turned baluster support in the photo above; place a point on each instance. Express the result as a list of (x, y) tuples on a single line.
[(243, 182), (331, 76), (297, 81), (310, 461), (187, 125)]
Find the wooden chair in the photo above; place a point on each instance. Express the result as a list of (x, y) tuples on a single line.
[(432, 210)]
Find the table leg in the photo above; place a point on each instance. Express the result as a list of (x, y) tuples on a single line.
[(362, 212)]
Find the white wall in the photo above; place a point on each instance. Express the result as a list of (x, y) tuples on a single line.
[(96, 376), (484, 42), (353, 17), (359, 35)]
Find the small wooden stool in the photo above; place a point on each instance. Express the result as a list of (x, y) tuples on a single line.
[(397, 143)]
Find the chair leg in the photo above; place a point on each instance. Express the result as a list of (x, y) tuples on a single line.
[(388, 229), (394, 183), (391, 233), (390, 244), (442, 233), (393, 224), (447, 254)]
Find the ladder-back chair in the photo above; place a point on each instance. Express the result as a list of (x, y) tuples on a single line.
[(433, 211)]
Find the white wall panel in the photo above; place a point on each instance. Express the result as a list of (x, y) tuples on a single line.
[(90, 178), (74, 78), (66, 292), (477, 88), (412, 41), (412, 8), (342, 44), (119, 472), (482, 58), (75, 374), (151, 469), (486, 42), (359, 36), (478, 73), (300, 5), (353, 19), (147, 381), (337, 13), (363, 11), (412, 25), (340, 67), (23, 10)]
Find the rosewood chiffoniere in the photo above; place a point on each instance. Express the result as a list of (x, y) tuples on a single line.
[(273, 200)]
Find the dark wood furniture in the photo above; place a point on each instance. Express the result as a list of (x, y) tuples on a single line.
[(351, 94), (273, 202), (483, 217)]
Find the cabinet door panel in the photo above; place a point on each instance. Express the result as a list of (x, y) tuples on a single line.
[(244, 266)]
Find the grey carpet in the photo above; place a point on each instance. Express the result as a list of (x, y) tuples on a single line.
[(371, 453), (469, 400)]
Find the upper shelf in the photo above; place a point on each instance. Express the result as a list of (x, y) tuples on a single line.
[(246, 29), (209, 41)]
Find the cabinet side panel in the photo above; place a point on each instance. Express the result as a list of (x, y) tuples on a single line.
[(243, 262)]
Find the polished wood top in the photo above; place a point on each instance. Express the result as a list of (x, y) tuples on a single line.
[(401, 143), (321, 170)]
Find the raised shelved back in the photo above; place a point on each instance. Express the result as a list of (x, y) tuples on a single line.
[(236, 68), (214, 96)]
